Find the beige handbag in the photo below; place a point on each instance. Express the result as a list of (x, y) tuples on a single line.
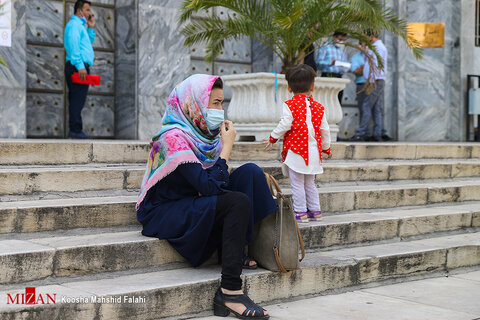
[(277, 238)]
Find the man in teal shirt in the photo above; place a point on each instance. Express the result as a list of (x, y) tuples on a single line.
[(79, 37)]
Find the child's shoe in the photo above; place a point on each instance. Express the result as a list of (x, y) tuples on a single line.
[(315, 215), (301, 217)]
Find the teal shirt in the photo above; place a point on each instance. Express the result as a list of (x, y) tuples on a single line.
[(78, 43), (357, 61)]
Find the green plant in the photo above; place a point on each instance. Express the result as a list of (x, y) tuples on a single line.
[(289, 27)]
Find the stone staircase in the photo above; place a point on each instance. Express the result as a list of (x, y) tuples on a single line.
[(68, 227)]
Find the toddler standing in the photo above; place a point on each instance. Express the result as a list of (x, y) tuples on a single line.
[(306, 135)]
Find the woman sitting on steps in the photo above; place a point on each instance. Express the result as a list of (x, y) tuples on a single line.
[(189, 198)]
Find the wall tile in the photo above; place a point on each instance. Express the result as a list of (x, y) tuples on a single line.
[(104, 66), (45, 115), (45, 67), (45, 21), (98, 116), (221, 68)]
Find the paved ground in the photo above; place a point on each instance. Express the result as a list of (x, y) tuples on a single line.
[(456, 297)]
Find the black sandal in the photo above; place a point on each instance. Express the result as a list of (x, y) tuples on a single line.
[(253, 311), (246, 263)]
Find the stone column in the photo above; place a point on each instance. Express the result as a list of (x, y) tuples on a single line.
[(13, 78), (162, 61), (125, 84), (428, 96)]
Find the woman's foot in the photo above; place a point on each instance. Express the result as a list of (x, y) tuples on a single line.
[(238, 308), (301, 217), (249, 263)]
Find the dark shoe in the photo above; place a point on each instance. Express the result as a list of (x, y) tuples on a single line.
[(75, 135), (376, 139), (369, 138), (221, 310), (357, 139), (246, 263), (385, 137)]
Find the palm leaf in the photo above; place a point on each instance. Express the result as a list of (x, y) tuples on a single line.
[(289, 27)]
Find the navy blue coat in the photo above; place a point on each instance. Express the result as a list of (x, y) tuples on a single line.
[(181, 207)]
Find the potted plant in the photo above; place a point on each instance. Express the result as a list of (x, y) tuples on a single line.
[(288, 28)]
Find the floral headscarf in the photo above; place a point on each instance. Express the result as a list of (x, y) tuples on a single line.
[(184, 136)]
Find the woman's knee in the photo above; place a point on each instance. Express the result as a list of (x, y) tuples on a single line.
[(250, 168)]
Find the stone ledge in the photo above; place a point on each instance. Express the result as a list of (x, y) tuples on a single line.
[(101, 250), (19, 152), (165, 292)]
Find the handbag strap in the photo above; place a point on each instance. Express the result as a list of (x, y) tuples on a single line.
[(300, 239), (277, 258), (273, 184)]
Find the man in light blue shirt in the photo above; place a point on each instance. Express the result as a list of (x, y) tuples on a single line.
[(373, 102), (79, 37), (329, 54), (357, 62)]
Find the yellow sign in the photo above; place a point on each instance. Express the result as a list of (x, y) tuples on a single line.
[(427, 35)]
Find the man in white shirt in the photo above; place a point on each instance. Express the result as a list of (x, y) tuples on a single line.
[(373, 102)]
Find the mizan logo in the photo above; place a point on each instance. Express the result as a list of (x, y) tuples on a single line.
[(30, 297)]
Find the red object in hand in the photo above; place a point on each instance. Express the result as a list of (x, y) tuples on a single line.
[(92, 79)]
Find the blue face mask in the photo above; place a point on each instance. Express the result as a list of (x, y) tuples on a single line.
[(84, 20), (214, 118)]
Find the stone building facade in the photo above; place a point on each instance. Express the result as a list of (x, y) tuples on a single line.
[(140, 56)]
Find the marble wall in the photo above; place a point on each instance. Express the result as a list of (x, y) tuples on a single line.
[(47, 105), (141, 57), (163, 61), (423, 96), (13, 80)]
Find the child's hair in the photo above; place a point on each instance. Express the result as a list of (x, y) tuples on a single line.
[(300, 78)]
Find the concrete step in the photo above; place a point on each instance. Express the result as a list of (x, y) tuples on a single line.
[(341, 198), (381, 170), (84, 251), (26, 180), (34, 213), (450, 296), (19, 152), (63, 178), (67, 213), (186, 291)]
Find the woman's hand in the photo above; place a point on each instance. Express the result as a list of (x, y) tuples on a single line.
[(228, 134)]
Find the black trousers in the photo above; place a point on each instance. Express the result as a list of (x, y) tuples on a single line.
[(77, 95), (231, 222), (334, 75)]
